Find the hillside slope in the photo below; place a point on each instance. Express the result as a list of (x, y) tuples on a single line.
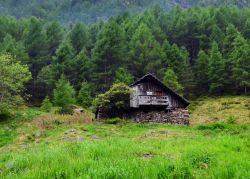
[(39, 145), (68, 11)]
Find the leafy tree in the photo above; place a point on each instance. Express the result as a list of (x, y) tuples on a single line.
[(171, 80), (241, 58), (46, 105), (201, 72), (84, 97), (123, 76), (64, 95), (216, 69), (115, 101), (13, 77)]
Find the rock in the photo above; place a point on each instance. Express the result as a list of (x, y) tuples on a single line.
[(177, 116), (37, 134), (147, 156), (93, 137), (79, 138), (10, 164)]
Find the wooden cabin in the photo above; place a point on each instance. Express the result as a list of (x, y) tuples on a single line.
[(149, 91)]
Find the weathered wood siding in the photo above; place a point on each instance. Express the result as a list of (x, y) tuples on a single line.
[(148, 93)]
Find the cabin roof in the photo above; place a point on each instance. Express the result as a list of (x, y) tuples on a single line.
[(151, 77)]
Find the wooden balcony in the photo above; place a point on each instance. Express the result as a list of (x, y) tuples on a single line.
[(153, 100)]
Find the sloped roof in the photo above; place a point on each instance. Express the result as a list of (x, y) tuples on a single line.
[(151, 77)]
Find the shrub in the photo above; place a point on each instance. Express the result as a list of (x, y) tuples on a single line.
[(46, 105), (84, 96), (115, 102), (64, 96), (231, 120), (214, 126), (113, 121)]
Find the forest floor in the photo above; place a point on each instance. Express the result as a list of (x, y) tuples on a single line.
[(216, 145)]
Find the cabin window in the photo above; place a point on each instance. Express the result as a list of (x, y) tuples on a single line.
[(149, 93)]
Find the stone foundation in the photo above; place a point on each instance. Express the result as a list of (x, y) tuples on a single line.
[(176, 116)]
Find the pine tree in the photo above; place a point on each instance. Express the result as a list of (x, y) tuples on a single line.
[(231, 34), (54, 35), (145, 52), (108, 54), (241, 58), (123, 76), (16, 49), (201, 72), (46, 105), (171, 80), (216, 70), (84, 96), (79, 37), (64, 95), (64, 56)]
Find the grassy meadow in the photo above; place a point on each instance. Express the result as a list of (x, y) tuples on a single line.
[(35, 144)]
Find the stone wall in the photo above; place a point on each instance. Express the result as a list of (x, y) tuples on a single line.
[(176, 116)]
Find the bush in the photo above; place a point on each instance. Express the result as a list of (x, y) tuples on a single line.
[(231, 120), (46, 105), (84, 96), (113, 121), (64, 96), (215, 126), (115, 102)]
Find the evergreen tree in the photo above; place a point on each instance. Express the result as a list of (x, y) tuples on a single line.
[(171, 80), (231, 34), (123, 76), (145, 52), (64, 56), (84, 96), (108, 54), (241, 58), (216, 70), (201, 72), (79, 37), (64, 95), (46, 105), (54, 35), (16, 49)]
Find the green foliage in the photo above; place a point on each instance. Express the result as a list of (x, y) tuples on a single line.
[(64, 95), (231, 120), (216, 70), (84, 96), (241, 58), (123, 76), (12, 80), (113, 121), (201, 72), (171, 80), (46, 104), (107, 58), (145, 52), (114, 102)]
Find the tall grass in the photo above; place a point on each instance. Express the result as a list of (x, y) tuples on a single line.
[(177, 152)]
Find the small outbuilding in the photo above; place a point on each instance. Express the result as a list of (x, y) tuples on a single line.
[(152, 101)]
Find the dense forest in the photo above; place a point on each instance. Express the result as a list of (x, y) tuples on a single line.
[(196, 51), (87, 11)]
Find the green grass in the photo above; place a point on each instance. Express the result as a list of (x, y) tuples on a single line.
[(125, 150)]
